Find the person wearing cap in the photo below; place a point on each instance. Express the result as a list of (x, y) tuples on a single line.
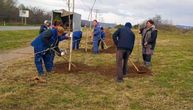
[(102, 38), (149, 36), (44, 26), (124, 40), (96, 36), (43, 44)]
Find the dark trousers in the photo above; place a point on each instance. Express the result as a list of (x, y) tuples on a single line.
[(122, 60), (147, 58), (102, 44)]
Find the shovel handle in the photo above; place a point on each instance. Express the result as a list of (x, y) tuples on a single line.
[(134, 65)]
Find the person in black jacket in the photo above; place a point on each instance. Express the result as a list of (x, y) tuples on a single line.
[(149, 36), (124, 40)]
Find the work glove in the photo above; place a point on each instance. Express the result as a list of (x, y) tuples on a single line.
[(62, 53)]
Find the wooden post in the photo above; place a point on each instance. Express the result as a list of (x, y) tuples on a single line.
[(25, 20), (71, 34), (138, 40)]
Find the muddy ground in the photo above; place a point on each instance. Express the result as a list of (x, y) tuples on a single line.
[(108, 71)]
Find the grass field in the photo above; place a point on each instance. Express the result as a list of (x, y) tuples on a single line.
[(16, 39), (170, 88)]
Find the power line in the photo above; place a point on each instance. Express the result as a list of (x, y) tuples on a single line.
[(90, 14)]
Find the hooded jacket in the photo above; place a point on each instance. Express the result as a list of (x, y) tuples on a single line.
[(124, 38)]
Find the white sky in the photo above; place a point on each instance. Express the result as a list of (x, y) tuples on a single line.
[(120, 11)]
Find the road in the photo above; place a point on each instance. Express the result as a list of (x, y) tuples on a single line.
[(12, 28), (14, 55)]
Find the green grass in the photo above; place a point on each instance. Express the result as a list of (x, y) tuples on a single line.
[(16, 39), (171, 87)]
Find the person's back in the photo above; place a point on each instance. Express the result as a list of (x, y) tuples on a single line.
[(124, 38), (77, 34)]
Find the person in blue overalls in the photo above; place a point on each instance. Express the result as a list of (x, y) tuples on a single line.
[(44, 26), (77, 35), (56, 50), (42, 46), (96, 36), (102, 39)]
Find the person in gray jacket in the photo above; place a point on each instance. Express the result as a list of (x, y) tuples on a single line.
[(149, 36)]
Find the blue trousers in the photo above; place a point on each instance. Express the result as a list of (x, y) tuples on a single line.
[(95, 44), (76, 43), (43, 58)]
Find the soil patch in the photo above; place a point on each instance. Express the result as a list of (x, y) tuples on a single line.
[(109, 50), (108, 71)]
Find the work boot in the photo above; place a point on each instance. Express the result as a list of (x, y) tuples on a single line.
[(119, 80), (148, 65), (125, 75), (34, 78), (42, 79)]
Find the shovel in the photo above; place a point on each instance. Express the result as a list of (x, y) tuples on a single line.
[(64, 58), (106, 47), (137, 69)]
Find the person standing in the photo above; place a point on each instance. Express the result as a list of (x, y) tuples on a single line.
[(124, 40), (42, 45), (96, 36), (149, 36), (77, 35), (102, 39)]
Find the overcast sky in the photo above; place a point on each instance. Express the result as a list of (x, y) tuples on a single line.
[(120, 11)]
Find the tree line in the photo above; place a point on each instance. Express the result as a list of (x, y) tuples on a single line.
[(10, 13)]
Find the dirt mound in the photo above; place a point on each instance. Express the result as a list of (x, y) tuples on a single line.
[(110, 50), (108, 71), (108, 37)]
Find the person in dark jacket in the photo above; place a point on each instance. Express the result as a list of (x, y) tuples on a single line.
[(77, 35), (44, 26), (102, 38), (149, 36), (96, 36), (124, 40), (42, 45)]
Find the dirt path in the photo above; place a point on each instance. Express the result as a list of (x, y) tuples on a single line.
[(13, 55)]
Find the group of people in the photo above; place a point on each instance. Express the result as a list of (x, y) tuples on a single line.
[(46, 45), (124, 40)]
